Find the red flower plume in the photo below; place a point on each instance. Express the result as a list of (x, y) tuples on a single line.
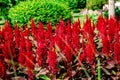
[(75, 36), (33, 27), (22, 49), (2, 70), (81, 59), (40, 32), (87, 28), (49, 31), (52, 60), (28, 45), (106, 46), (90, 54), (29, 60), (117, 52), (68, 53), (41, 53), (17, 35)]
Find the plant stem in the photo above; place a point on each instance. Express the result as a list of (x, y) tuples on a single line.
[(99, 71), (85, 71)]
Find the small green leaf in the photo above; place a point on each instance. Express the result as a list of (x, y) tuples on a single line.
[(43, 77), (99, 71)]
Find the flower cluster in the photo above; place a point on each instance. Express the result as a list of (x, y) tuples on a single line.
[(46, 48)]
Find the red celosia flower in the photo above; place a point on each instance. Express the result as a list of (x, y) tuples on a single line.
[(8, 41), (49, 31), (1, 38), (69, 72), (52, 43), (68, 53), (29, 56), (40, 32), (22, 41), (26, 31), (41, 45), (101, 25), (41, 53), (33, 27), (28, 45), (62, 24), (30, 74), (21, 58), (1, 57), (5, 51), (91, 42), (8, 31), (112, 30), (62, 29), (52, 60), (87, 28), (60, 36), (117, 35), (106, 20), (90, 54), (17, 35), (105, 46), (2, 70), (117, 52), (75, 36), (29, 60), (110, 35), (22, 49), (68, 36), (81, 59), (1, 34), (112, 24)]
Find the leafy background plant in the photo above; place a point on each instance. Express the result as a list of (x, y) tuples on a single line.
[(42, 10), (117, 12), (5, 5), (95, 4)]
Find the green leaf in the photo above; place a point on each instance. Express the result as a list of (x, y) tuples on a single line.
[(43, 77), (98, 69)]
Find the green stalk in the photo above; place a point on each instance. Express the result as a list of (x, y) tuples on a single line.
[(85, 71), (99, 71)]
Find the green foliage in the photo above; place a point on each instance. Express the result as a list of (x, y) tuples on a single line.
[(95, 4), (118, 0), (98, 69), (42, 10), (43, 77), (76, 4), (5, 5), (93, 17), (76, 10), (117, 12)]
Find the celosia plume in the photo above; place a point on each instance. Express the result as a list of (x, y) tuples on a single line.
[(69, 44), (17, 35), (33, 27)]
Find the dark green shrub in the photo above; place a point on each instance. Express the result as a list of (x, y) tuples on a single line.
[(76, 4), (96, 4), (5, 5), (42, 10), (117, 12), (118, 0)]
